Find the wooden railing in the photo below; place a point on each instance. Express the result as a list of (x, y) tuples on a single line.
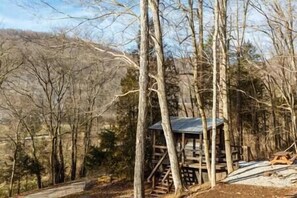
[(166, 177), (194, 154), (157, 166)]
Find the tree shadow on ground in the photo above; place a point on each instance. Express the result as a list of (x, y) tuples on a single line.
[(253, 175)]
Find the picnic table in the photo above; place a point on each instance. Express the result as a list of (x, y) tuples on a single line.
[(283, 157)]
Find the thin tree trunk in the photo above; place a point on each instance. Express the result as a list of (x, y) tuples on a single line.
[(238, 101), (54, 161), (184, 106), (12, 173), (163, 100), (224, 80), (74, 150), (87, 137), (201, 43), (198, 58), (19, 186), (38, 173), (142, 104), (62, 166), (214, 98), (74, 121), (60, 145)]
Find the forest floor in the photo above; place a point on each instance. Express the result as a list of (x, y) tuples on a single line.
[(254, 179), (124, 189), (222, 190), (113, 189), (245, 191)]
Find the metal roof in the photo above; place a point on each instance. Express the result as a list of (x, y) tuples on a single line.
[(187, 125)]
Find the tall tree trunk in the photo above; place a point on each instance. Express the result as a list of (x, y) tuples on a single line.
[(238, 100), (214, 98), (198, 58), (142, 104), (224, 80), (163, 99)]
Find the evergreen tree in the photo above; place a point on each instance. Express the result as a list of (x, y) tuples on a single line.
[(246, 87)]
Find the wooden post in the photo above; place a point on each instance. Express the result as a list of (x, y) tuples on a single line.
[(194, 147), (246, 153), (183, 146), (154, 157), (200, 159), (221, 144), (154, 143)]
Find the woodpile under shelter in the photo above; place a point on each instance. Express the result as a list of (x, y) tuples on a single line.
[(188, 134)]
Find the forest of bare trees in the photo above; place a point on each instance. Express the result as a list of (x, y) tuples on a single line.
[(79, 100)]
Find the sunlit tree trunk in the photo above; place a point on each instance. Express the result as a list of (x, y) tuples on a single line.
[(198, 61), (142, 104), (214, 98), (224, 80), (154, 4)]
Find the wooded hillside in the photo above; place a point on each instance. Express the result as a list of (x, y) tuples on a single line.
[(57, 95)]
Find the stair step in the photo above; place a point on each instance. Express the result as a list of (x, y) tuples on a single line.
[(154, 195), (160, 191), (165, 181), (164, 185), (161, 187)]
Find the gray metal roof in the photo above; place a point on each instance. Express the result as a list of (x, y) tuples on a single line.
[(187, 125)]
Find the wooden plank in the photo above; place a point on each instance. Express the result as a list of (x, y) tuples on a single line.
[(166, 175), (158, 154), (192, 158), (160, 147), (203, 167), (200, 159), (189, 158)]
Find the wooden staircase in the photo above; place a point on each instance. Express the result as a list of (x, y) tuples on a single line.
[(163, 184)]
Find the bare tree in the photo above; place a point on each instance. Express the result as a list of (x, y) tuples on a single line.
[(198, 65), (52, 80), (214, 98), (222, 32), (281, 31), (142, 103), (158, 43)]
